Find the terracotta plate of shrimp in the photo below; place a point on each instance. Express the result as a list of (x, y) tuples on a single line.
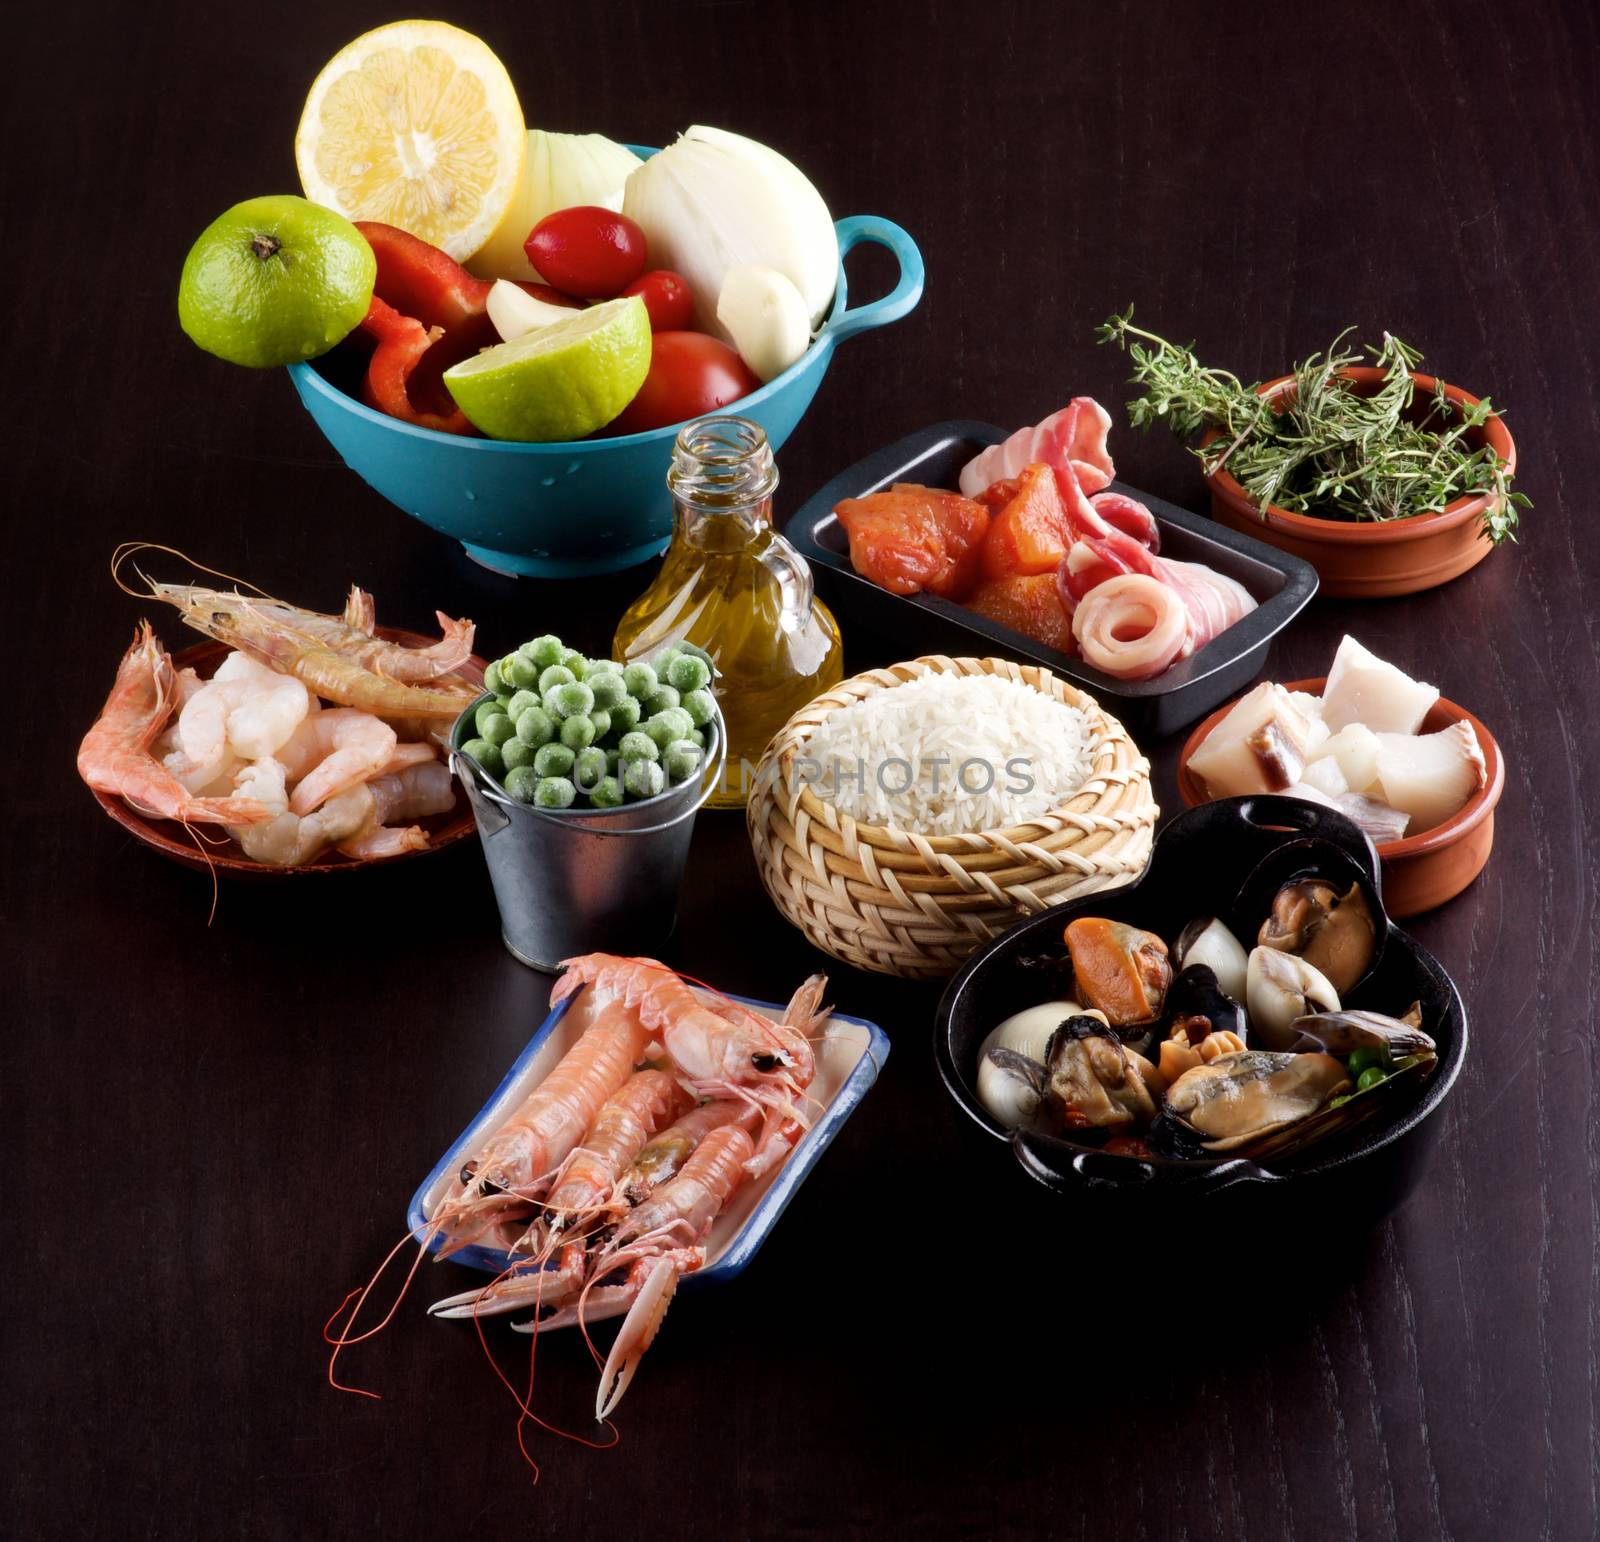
[(209, 846)]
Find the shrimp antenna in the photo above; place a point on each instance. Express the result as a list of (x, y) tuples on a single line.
[(128, 548)]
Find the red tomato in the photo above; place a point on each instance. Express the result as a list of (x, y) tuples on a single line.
[(690, 375), (587, 251), (667, 297)]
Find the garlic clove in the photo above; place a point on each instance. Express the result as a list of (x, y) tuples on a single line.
[(765, 315)]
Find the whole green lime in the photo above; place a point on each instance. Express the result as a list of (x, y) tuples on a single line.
[(275, 280)]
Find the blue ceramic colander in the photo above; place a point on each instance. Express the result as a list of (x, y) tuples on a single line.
[(584, 506)]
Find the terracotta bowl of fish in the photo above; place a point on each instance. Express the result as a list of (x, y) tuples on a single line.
[(1424, 867), (1373, 559)]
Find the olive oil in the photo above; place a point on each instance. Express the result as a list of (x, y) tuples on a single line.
[(732, 585)]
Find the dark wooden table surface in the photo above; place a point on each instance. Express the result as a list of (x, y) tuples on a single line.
[(211, 1130)]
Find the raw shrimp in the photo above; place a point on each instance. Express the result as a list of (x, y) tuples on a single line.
[(520, 1157), (115, 756), (352, 636), (288, 840), (581, 1195), (663, 1158), (244, 711), (332, 750), (734, 1052), (266, 631), (656, 1245), (411, 793)]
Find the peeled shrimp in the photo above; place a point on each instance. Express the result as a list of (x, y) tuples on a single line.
[(244, 711), (332, 750), (413, 792), (115, 756), (288, 839)]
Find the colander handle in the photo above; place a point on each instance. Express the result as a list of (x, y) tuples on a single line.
[(900, 301)]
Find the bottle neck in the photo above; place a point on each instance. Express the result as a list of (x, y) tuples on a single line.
[(722, 480)]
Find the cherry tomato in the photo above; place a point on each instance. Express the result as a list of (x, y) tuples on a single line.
[(690, 375), (667, 297), (587, 251)]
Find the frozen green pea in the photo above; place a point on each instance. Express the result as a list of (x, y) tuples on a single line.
[(515, 753), (574, 699), (680, 719), (643, 779), (544, 651), (520, 703), (603, 667), (577, 732), (700, 707), (554, 792), (520, 674), (487, 756), (574, 661), (522, 783), (554, 760), (535, 727), (493, 681), (607, 687), (1371, 1077), (638, 746), (602, 723), (488, 710), (697, 737), (608, 794), (663, 662), (589, 769), (681, 759), (497, 729), (640, 680), (689, 673), (554, 675), (661, 729), (661, 699), (625, 715)]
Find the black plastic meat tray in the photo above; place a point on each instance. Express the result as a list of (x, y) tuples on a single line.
[(1280, 584)]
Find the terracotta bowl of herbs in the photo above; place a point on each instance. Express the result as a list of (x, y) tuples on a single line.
[(1376, 558), (1385, 480)]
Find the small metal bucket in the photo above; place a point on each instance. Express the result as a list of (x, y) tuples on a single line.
[(585, 880)]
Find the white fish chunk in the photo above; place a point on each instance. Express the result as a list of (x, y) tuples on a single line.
[(1363, 689), (1260, 746), (1430, 776)]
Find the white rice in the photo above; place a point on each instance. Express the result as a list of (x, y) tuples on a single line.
[(949, 755)]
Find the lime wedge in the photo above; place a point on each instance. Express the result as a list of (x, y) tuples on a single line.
[(561, 382)]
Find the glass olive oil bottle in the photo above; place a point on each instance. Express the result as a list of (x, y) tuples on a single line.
[(732, 585)]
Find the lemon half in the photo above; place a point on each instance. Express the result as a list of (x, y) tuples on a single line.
[(415, 124)]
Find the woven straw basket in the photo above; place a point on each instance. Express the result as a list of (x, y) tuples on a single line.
[(912, 905)]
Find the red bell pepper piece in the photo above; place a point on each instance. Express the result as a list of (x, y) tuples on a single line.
[(419, 280), (391, 383)]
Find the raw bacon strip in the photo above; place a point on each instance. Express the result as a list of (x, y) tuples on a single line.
[(1111, 615), (1130, 516), (1132, 626), (1072, 440)]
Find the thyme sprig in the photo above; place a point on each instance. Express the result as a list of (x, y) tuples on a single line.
[(1330, 452)]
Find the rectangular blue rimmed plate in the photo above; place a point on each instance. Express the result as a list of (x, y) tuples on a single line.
[(849, 1052), (1280, 584)]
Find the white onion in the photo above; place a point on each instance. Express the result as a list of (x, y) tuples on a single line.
[(713, 201), (561, 171)]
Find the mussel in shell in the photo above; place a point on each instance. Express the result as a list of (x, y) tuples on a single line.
[(1281, 987), (1235, 1101), (1344, 1032), (1205, 940), (1333, 931), (1119, 969), (1094, 1081)]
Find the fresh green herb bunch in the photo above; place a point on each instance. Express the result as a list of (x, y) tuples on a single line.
[(1330, 452)]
